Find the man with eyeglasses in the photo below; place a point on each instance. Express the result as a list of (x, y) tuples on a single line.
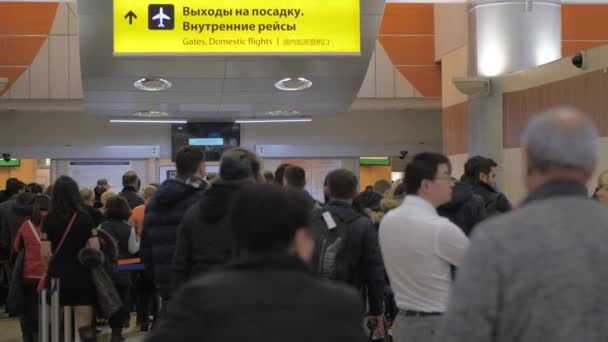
[(419, 247)]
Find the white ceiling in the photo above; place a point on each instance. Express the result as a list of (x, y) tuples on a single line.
[(216, 88)]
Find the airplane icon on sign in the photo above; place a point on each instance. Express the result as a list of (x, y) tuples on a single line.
[(161, 17)]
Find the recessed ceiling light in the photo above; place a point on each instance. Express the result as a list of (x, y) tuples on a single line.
[(293, 84), (275, 120), (152, 84), (283, 113), (150, 114), (148, 121)]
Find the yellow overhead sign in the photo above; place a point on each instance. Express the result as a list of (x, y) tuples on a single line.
[(173, 27)]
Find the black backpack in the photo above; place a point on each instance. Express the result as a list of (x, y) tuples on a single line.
[(332, 258)]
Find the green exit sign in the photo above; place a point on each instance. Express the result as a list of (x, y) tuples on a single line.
[(9, 163), (386, 161)]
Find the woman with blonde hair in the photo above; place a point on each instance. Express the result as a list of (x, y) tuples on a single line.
[(104, 199)]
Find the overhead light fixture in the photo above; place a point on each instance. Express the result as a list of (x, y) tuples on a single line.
[(152, 84), (148, 121), (274, 120), (150, 114), (293, 84), (283, 113), (472, 85)]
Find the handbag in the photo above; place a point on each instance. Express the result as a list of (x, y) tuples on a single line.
[(42, 282)]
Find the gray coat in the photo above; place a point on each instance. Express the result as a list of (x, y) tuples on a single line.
[(537, 274)]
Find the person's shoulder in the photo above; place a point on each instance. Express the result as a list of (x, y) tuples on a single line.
[(83, 217), (364, 221), (139, 210), (392, 217), (444, 223)]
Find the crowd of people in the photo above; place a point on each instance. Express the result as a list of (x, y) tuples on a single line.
[(252, 256)]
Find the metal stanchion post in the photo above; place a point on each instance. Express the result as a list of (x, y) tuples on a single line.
[(67, 324), (55, 312), (44, 317)]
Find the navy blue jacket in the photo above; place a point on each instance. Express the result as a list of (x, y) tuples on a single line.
[(162, 217)]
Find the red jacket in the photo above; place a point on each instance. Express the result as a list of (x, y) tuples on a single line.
[(33, 267)]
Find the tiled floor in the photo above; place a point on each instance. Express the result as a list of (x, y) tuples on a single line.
[(10, 331)]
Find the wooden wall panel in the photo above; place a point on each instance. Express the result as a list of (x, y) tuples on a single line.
[(369, 174), (455, 129), (585, 92), (604, 105)]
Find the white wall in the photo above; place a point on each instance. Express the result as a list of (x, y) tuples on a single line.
[(451, 28), (356, 128), (76, 129), (351, 129)]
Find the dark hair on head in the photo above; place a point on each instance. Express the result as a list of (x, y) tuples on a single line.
[(280, 172), (117, 208), (49, 190), (477, 165), (266, 217), (369, 188), (188, 159), (66, 198), (269, 176), (130, 179), (381, 186), (102, 182), (359, 207), (33, 188), (13, 186), (99, 190), (295, 176), (423, 166), (399, 190), (42, 203), (9, 181), (342, 184), (238, 164)]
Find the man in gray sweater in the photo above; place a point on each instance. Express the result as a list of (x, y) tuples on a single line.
[(541, 272)]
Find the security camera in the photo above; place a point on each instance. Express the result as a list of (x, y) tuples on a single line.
[(6, 157), (579, 60), (403, 154)]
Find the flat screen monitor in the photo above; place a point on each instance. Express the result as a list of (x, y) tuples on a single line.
[(213, 137)]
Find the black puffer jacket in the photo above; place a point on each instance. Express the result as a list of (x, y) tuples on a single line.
[(367, 267), (120, 231), (260, 299), (370, 200), (133, 198), (495, 202), (466, 209), (12, 214), (162, 217), (204, 238)]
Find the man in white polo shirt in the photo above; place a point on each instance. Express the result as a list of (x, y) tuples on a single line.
[(419, 247)]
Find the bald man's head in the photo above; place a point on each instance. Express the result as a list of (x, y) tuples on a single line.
[(561, 139)]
